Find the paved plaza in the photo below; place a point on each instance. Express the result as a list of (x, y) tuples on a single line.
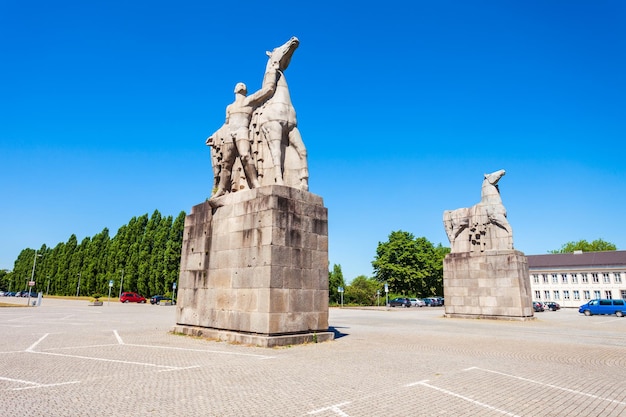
[(66, 358)]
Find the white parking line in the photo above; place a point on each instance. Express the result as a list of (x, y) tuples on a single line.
[(32, 384), (253, 355), (334, 408), (46, 385), (548, 385), (117, 336), (31, 347), (107, 360), (454, 394)]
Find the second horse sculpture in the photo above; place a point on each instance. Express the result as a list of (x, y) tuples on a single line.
[(483, 226)]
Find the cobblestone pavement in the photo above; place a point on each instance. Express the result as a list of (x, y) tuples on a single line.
[(66, 358)]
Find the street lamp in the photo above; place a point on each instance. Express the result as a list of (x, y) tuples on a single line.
[(121, 283), (78, 285), (32, 276)]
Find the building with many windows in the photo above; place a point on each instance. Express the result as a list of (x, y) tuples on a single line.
[(572, 279)]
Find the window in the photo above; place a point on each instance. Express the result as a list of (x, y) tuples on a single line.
[(618, 277), (555, 279), (586, 295), (608, 294), (545, 278), (565, 294), (574, 278), (605, 278), (623, 294), (595, 278), (576, 295), (597, 294), (538, 294), (564, 278), (546, 293), (556, 295), (536, 278), (585, 278)]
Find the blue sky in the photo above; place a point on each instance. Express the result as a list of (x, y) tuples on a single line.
[(402, 105)]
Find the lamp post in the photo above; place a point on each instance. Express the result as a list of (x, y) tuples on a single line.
[(78, 285), (32, 276), (121, 284)]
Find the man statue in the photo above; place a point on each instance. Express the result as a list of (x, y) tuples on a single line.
[(237, 126)]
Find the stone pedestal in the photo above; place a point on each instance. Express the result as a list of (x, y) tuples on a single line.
[(491, 284), (255, 270)]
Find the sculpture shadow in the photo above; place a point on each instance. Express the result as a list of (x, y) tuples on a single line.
[(338, 333)]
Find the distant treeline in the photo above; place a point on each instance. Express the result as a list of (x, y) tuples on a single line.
[(145, 254)]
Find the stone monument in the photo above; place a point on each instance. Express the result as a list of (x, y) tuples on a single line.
[(483, 276), (254, 262)]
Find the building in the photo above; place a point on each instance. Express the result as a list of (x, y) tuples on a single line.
[(572, 279)]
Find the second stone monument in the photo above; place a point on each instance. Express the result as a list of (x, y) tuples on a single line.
[(483, 276)]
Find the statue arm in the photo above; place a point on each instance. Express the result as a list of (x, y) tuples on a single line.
[(267, 90)]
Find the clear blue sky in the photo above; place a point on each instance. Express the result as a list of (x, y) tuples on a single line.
[(403, 105)]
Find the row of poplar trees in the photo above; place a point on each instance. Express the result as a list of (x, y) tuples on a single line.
[(143, 257)]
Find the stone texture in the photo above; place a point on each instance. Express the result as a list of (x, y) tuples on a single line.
[(491, 284), (255, 266)]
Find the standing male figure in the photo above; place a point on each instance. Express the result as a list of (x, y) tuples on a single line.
[(238, 115)]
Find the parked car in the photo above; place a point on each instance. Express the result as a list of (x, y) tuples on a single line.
[(400, 302), (432, 302), (553, 306), (604, 306), (537, 306), (156, 299), (132, 297), (417, 302)]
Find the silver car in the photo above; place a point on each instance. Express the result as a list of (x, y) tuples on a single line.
[(417, 302)]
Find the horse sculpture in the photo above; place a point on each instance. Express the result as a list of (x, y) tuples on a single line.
[(278, 152), (275, 129), (483, 226)]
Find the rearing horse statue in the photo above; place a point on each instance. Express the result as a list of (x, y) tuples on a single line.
[(275, 129), (483, 226)]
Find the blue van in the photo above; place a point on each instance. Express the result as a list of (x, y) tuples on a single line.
[(602, 306)]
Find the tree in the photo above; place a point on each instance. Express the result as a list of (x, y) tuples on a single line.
[(335, 280), (410, 265), (597, 245), (146, 251), (362, 291)]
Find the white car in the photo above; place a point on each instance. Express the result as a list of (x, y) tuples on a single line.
[(417, 302)]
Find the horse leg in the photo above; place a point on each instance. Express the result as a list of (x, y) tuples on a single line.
[(295, 140), (273, 133)]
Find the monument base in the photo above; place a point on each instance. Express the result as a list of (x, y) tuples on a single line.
[(268, 341), (254, 268), (487, 285)]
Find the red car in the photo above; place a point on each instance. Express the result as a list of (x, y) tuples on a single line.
[(132, 297)]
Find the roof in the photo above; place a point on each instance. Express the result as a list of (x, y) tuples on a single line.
[(584, 259)]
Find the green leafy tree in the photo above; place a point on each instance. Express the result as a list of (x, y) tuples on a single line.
[(4, 279), (362, 291), (597, 245), (146, 251), (335, 280), (409, 265)]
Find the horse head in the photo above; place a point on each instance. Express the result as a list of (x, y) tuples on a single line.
[(494, 177), (282, 54)]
